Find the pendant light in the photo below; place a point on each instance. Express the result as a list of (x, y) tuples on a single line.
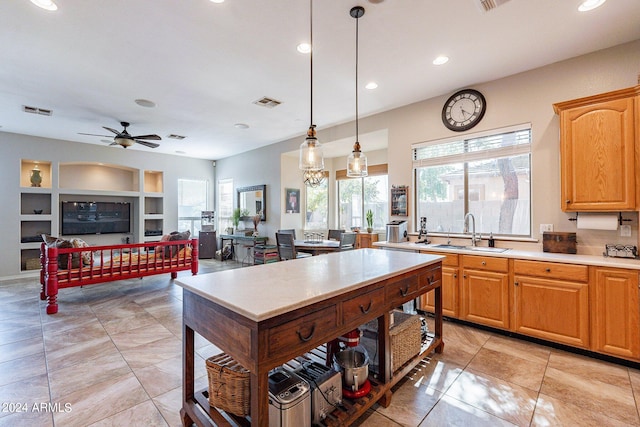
[(311, 158), (357, 161)]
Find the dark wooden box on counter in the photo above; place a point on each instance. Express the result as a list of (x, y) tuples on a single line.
[(559, 242)]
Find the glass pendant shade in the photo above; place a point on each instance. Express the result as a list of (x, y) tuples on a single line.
[(313, 178), (357, 163), (311, 156)]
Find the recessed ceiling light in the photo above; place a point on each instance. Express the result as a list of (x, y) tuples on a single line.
[(241, 126), (371, 85), (45, 4), (586, 5), (304, 48), (181, 152), (217, 1), (441, 60), (145, 103)]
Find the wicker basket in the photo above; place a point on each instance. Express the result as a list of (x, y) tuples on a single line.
[(229, 385), (405, 337)]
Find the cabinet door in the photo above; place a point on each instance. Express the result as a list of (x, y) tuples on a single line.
[(449, 294), (616, 323), (485, 298), (597, 156), (554, 310)]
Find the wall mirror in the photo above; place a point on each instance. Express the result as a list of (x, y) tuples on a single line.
[(252, 200)]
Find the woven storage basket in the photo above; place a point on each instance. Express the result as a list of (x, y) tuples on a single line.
[(229, 385), (405, 337)]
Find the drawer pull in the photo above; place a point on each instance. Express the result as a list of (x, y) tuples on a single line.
[(307, 338), (405, 291), (484, 262), (548, 270), (366, 310)]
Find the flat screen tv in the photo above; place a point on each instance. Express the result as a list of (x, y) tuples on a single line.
[(95, 217)]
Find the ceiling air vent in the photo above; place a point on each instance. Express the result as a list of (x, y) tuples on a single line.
[(487, 5), (174, 136), (267, 102), (36, 110)]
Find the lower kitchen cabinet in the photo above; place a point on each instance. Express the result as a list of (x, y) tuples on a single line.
[(615, 319), (449, 288), (485, 291), (551, 301)]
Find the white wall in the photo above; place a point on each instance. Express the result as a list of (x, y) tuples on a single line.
[(16, 147), (522, 98)]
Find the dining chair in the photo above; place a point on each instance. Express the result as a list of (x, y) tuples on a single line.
[(334, 234), (347, 241), (288, 231), (287, 247)]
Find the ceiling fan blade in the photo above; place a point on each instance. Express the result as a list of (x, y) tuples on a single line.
[(93, 134), (112, 130), (114, 143), (152, 137), (148, 144)]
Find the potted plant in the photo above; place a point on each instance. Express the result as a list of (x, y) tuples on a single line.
[(369, 221), (236, 218)]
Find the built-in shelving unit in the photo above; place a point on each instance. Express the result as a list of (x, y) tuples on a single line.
[(44, 184)]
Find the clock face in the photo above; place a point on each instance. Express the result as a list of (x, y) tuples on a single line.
[(463, 110)]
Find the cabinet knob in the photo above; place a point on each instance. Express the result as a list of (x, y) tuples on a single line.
[(484, 262), (516, 283), (455, 276), (567, 201), (548, 270)]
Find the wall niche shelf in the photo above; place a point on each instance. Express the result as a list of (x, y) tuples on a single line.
[(153, 182), (98, 177), (26, 171)]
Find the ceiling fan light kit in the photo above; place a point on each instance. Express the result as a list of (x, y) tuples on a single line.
[(357, 161), (124, 139)]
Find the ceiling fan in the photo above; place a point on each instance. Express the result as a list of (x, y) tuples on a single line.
[(124, 139)]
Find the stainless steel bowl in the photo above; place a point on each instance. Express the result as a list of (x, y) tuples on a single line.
[(354, 365)]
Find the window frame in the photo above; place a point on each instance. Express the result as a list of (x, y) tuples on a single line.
[(373, 171)]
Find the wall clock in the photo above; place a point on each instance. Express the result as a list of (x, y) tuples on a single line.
[(463, 110)]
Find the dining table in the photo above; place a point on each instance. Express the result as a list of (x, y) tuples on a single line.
[(317, 247)]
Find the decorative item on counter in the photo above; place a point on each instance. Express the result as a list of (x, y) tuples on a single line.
[(36, 178), (492, 241), (256, 220), (559, 242), (237, 213), (620, 251), (369, 221)]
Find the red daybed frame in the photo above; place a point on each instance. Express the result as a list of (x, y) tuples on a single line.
[(111, 263)]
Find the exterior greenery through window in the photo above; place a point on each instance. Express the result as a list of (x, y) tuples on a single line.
[(487, 175), (357, 195), (192, 200), (225, 204), (317, 207)]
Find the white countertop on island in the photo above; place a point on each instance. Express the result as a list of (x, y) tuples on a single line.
[(264, 291), (595, 260)]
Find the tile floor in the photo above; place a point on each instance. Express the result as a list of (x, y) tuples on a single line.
[(112, 357)]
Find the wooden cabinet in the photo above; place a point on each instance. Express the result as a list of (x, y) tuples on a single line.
[(598, 143), (207, 244), (551, 301), (449, 287), (615, 320), (485, 290), (366, 240)]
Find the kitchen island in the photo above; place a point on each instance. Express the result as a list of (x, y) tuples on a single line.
[(263, 316)]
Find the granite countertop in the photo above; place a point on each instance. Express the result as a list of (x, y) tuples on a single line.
[(263, 291), (595, 260)]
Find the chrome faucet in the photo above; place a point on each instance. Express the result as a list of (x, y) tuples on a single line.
[(473, 229)]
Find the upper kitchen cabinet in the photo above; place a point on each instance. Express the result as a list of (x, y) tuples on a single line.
[(598, 139)]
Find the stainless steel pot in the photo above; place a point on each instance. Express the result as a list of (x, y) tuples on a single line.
[(354, 365)]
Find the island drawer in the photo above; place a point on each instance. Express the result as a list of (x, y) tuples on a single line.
[(431, 277), (296, 333), (554, 270), (398, 291), (370, 302), (485, 263)]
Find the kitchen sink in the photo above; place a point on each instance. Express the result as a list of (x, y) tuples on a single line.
[(445, 246), (471, 248)]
